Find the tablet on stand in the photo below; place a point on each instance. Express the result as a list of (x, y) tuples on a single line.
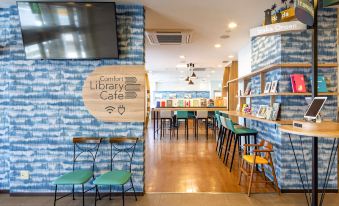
[(312, 113)]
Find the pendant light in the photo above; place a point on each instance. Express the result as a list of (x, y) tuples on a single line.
[(187, 79), (190, 82), (193, 76)]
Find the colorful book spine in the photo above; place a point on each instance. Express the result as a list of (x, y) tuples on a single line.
[(298, 83)]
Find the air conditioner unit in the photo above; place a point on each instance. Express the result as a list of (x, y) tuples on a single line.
[(168, 37)]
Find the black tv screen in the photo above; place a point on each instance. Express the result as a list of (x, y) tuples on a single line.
[(68, 30)]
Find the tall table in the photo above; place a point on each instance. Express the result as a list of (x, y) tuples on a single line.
[(324, 130), (158, 109)]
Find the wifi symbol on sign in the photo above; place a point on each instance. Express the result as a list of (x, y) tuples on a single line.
[(109, 109)]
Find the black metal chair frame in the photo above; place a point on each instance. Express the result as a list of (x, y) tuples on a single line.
[(115, 150), (93, 151), (163, 122), (196, 127), (237, 143)]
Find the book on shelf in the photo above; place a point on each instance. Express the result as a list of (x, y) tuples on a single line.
[(267, 87), (298, 83), (169, 103), (274, 86), (269, 112), (276, 109), (196, 103), (203, 103), (163, 103), (322, 86), (248, 89), (181, 103), (262, 111), (158, 103), (175, 103)]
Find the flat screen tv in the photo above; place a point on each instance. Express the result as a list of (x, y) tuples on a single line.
[(68, 30)]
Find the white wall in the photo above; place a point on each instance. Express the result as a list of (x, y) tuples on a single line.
[(182, 86), (214, 86), (244, 63)]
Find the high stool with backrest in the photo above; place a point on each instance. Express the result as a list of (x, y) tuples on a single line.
[(237, 133), (218, 126), (122, 153), (201, 115), (223, 134), (164, 117), (261, 155), (182, 115), (85, 150)]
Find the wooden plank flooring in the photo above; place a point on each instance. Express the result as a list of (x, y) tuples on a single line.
[(190, 166)]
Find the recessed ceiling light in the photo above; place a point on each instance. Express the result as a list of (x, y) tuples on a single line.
[(212, 71), (219, 65), (181, 65), (231, 56), (232, 25), (182, 57), (217, 45)]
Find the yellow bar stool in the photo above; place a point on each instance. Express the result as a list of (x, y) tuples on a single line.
[(261, 155)]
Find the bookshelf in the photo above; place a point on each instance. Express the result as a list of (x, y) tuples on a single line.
[(280, 66), (262, 72), (252, 117), (288, 94)]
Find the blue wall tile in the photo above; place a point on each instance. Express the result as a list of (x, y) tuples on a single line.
[(42, 107)]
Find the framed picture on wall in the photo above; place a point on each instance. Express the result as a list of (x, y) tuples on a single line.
[(274, 86), (267, 87)]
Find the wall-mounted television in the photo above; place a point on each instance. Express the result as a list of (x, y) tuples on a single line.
[(68, 30)]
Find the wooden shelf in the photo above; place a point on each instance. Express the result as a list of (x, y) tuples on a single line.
[(289, 94), (252, 117), (282, 66)]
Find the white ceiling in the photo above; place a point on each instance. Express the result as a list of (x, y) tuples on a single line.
[(208, 20)]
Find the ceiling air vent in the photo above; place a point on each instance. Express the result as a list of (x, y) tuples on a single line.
[(159, 37)]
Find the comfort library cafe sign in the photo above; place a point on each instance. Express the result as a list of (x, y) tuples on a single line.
[(116, 93)]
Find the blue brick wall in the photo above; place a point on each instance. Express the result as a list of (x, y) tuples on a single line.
[(42, 109), (296, 48)]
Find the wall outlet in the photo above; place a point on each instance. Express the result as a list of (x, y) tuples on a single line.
[(24, 175)]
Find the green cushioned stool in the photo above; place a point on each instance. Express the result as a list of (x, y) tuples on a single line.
[(236, 134), (81, 147), (125, 149)]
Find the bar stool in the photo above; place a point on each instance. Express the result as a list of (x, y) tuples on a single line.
[(223, 132), (201, 115), (164, 117), (237, 133), (182, 115), (218, 126)]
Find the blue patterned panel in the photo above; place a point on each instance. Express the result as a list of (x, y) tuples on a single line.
[(42, 107), (265, 51)]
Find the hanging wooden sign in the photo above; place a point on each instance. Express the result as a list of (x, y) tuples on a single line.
[(304, 12), (331, 3), (116, 93)]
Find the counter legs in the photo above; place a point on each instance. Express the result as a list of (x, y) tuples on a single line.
[(312, 199)]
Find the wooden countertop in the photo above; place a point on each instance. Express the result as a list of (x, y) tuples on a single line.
[(252, 117), (190, 109), (325, 129)]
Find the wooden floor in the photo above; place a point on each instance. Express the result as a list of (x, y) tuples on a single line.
[(166, 199), (190, 166)]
